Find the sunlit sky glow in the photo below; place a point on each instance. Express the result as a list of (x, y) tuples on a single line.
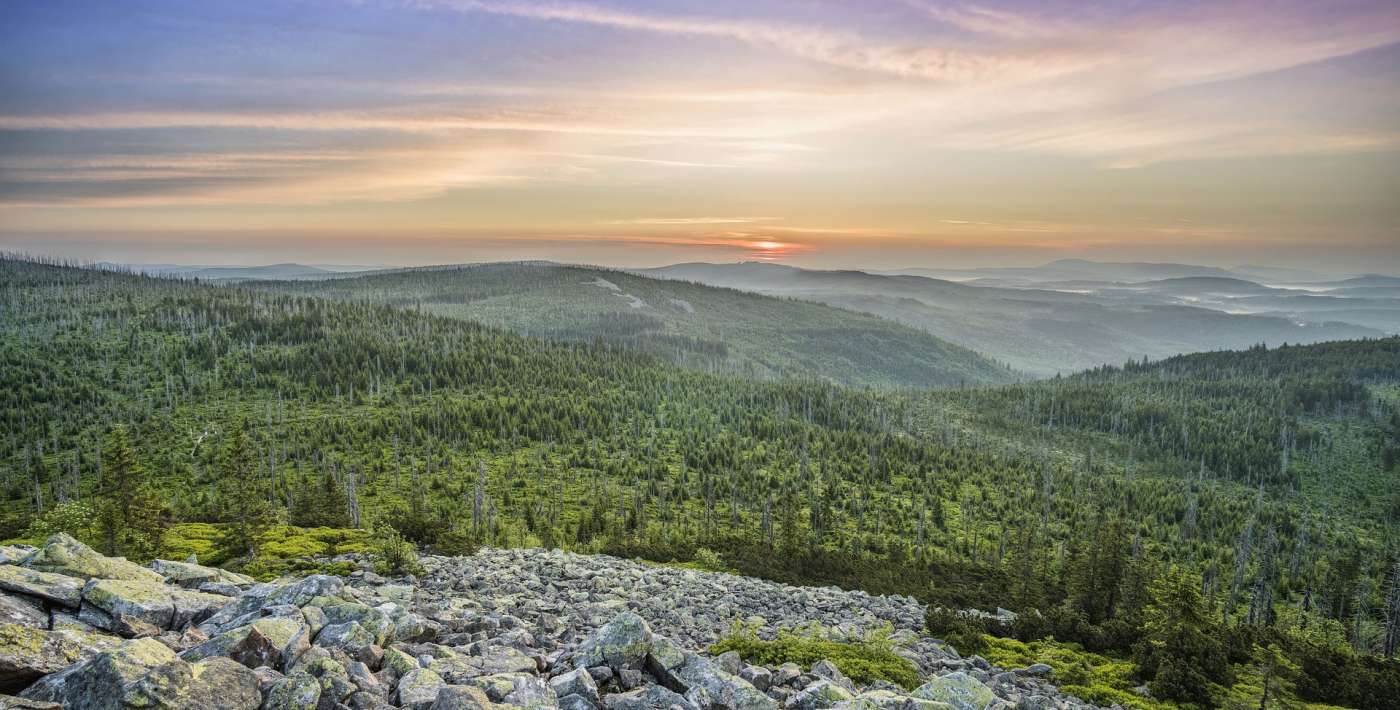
[(878, 133)]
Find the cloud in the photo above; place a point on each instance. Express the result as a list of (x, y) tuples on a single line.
[(691, 220), (837, 48)]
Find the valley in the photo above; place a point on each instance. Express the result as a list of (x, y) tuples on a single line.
[(1267, 472)]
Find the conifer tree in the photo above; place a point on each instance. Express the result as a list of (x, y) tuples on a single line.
[(1180, 653), (243, 496), (130, 516)]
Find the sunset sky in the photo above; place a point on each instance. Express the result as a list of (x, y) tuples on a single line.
[(859, 133)]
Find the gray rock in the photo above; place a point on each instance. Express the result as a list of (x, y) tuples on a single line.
[(629, 679), (576, 682), (212, 684), (461, 697), (56, 588), (757, 676), (519, 689), (348, 636), (11, 702), (621, 643), (22, 611), (730, 662), (191, 576), (1037, 669), (819, 694), (576, 702), (27, 654), (64, 555), (14, 554), (652, 697), (99, 682), (728, 691), (828, 670), (298, 691), (273, 642), (418, 689), (959, 689)]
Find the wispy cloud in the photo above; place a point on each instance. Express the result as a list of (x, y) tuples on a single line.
[(834, 47), (690, 220)]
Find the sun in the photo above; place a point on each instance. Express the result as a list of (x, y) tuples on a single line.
[(767, 250)]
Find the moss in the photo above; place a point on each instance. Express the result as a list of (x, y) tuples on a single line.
[(198, 539), (1103, 695), (1100, 679), (862, 661)]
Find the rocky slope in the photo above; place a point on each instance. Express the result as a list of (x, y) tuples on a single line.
[(532, 629)]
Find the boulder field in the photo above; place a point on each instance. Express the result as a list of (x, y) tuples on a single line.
[(527, 629)]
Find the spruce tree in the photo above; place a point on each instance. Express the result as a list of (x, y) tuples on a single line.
[(1180, 654), (130, 516), (243, 496)]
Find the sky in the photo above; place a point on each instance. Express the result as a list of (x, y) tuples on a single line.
[(823, 133)]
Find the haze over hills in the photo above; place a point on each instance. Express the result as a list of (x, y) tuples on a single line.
[(1057, 327), (287, 271), (703, 327)]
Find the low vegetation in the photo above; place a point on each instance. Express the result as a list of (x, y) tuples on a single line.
[(862, 660)]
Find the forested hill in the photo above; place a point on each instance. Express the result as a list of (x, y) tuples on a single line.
[(156, 417), (702, 327), (1277, 418), (1374, 360)]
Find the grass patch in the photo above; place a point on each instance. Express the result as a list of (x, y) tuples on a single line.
[(283, 549), (1099, 679), (864, 660)]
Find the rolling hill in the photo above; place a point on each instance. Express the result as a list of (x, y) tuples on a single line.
[(706, 328), (1045, 331)]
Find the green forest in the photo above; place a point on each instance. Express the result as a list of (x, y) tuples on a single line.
[(1215, 527)]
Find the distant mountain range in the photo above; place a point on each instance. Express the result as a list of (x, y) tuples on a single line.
[(241, 273), (1072, 315), (1057, 318)]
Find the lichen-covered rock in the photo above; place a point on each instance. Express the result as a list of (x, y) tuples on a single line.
[(819, 694), (145, 601), (272, 642), (348, 636), (498, 630), (727, 691), (14, 554), (27, 654), (99, 682), (518, 689), (828, 670), (418, 689), (63, 554), (56, 588), (22, 611), (191, 576), (298, 691), (576, 682), (621, 643), (302, 591), (653, 697), (958, 689), (12, 702), (214, 684), (462, 697)]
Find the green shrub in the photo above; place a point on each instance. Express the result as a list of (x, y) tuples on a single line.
[(966, 634), (392, 553), (863, 660), (455, 543), (73, 517)]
